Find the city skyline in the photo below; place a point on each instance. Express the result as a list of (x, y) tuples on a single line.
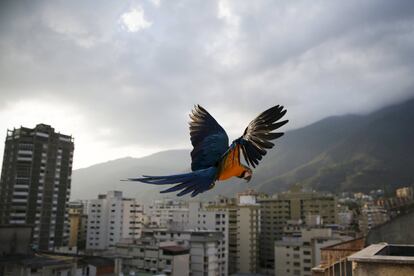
[(119, 77)]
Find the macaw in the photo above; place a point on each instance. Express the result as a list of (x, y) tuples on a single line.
[(212, 157)]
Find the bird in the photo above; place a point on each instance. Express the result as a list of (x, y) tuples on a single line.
[(213, 159)]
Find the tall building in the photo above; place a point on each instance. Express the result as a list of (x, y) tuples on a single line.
[(214, 220), (35, 183), (275, 212), (77, 225), (243, 224), (112, 218)]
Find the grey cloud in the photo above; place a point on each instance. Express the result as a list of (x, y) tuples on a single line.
[(318, 58)]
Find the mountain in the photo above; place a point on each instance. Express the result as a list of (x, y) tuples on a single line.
[(375, 151), (341, 153), (89, 182)]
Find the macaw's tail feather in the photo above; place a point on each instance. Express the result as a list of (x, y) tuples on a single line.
[(194, 182)]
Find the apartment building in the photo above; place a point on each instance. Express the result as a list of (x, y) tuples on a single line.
[(371, 215), (77, 225), (276, 211), (243, 224), (112, 218), (203, 248), (149, 256), (167, 213), (298, 252), (35, 183), (213, 220)]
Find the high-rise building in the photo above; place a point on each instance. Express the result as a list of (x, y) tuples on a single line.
[(214, 220), (243, 224), (77, 225), (248, 227), (276, 211), (112, 218), (35, 183)]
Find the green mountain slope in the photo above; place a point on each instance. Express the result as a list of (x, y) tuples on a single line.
[(377, 152)]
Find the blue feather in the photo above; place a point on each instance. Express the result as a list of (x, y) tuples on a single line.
[(194, 182)]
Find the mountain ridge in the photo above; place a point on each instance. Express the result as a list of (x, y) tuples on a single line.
[(338, 153)]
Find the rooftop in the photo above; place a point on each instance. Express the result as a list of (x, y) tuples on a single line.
[(385, 253)]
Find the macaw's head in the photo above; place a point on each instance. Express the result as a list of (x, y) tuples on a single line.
[(246, 174)]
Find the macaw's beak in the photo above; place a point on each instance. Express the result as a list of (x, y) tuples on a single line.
[(248, 176)]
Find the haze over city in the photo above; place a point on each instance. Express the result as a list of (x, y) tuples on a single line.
[(121, 77)]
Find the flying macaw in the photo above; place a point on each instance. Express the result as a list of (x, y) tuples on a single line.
[(212, 157)]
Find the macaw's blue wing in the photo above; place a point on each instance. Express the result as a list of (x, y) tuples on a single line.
[(194, 182), (257, 136), (208, 138)]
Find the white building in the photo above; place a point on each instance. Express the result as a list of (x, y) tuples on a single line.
[(213, 220), (150, 256), (167, 213), (297, 253), (203, 247), (112, 218)]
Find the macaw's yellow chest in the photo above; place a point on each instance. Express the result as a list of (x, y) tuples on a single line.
[(230, 165)]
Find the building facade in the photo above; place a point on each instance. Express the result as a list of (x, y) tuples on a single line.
[(243, 225), (77, 225), (112, 218), (213, 220), (276, 211), (297, 253), (167, 213), (371, 216), (35, 183)]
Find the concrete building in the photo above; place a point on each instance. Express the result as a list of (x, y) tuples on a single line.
[(371, 215), (112, 218), (77, 225), (383, 259), (213, 220), (277, 210), (334, 260), (248, 228), (167, 213), (297, 254), (405, 193), (204, 252), (203, 248), (243, 224), (148, 255), (35, 183)]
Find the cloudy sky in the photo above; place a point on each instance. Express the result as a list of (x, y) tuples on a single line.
[(121, 76)]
